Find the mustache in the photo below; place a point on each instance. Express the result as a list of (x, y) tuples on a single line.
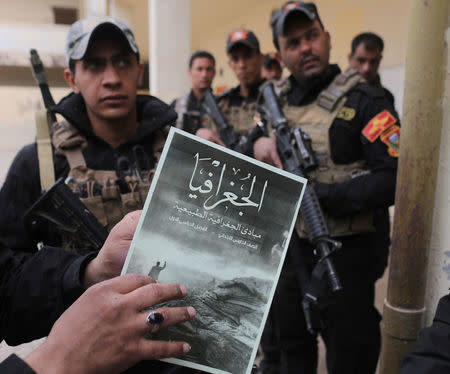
[(308, 56)]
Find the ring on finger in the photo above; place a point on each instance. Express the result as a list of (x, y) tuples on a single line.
[(154, 320)]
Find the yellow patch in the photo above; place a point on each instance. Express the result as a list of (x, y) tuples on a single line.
[(346, 113), (378, 124)]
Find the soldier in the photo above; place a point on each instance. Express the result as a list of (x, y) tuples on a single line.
[(271, 68), (238, 104), (365, 56), (191, 113), (106, 142), (355, 134)]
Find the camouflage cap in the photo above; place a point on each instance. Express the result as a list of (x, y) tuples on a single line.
[(80, 34), (241, 36)]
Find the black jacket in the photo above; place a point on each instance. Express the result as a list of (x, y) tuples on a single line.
[(431, 354), (14, 365), (22, 184), (36, 289)]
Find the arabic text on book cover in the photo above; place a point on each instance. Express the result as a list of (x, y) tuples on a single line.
[(220, 223)]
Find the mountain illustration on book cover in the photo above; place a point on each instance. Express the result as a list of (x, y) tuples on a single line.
[(219, 223)]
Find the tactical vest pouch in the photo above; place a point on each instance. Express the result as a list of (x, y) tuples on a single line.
[(362, 222), (111, 204), (241, 118), (143, 188), (130, 201), (346, 226)]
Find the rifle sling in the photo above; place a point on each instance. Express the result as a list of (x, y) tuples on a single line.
[(44, 149)]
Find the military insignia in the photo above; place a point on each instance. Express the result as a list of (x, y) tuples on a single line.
[(391, 137), (377, 125), (288, 6), (238, 35), (346, 113)]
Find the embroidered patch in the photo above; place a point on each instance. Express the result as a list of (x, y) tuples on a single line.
[(391, 137), (238, 35), (289, 6), (346, 113), (378, 124)]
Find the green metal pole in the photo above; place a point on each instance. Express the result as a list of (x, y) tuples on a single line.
[(416, 180)]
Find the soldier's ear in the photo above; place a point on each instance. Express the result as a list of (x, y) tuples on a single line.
[(70, 79)]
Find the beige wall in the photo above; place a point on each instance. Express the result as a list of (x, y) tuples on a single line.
[(32, 11), (212, 20)]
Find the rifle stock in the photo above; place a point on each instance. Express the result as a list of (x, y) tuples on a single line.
[(61, 207)]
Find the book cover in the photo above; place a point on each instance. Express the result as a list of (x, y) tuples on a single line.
[(220, 223)]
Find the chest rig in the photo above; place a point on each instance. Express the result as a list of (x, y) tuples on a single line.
[(315, 119), (99, 190), (191, 120), (240, 117)]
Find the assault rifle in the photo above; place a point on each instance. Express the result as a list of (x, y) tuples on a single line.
[(58, 205), (41, 79), (294, 148), (227, 134), (61, 207)]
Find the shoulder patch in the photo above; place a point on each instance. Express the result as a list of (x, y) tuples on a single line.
[(377, 125), (346, 113), (391, 137)]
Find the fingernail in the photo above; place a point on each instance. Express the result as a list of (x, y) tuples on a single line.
[(191, 311), (186, 348), (183, 289)]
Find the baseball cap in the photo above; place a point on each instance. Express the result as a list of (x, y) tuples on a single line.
[(80, 34), (279, 17), (244, 37)]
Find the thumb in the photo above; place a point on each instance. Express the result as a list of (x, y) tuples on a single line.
[(126, 227)]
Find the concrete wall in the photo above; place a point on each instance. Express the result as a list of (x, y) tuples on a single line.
[(211, 21)]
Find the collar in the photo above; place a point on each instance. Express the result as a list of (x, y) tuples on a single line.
[(152, 114), (305, 95), (235, 93)]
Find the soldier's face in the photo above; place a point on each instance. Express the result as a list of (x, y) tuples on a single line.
[(107, 78), (246, 64), (304, 48), (202, 73), (272, 72), (366, 62)]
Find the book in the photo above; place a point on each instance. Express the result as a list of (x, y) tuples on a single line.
[(220, 223)]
